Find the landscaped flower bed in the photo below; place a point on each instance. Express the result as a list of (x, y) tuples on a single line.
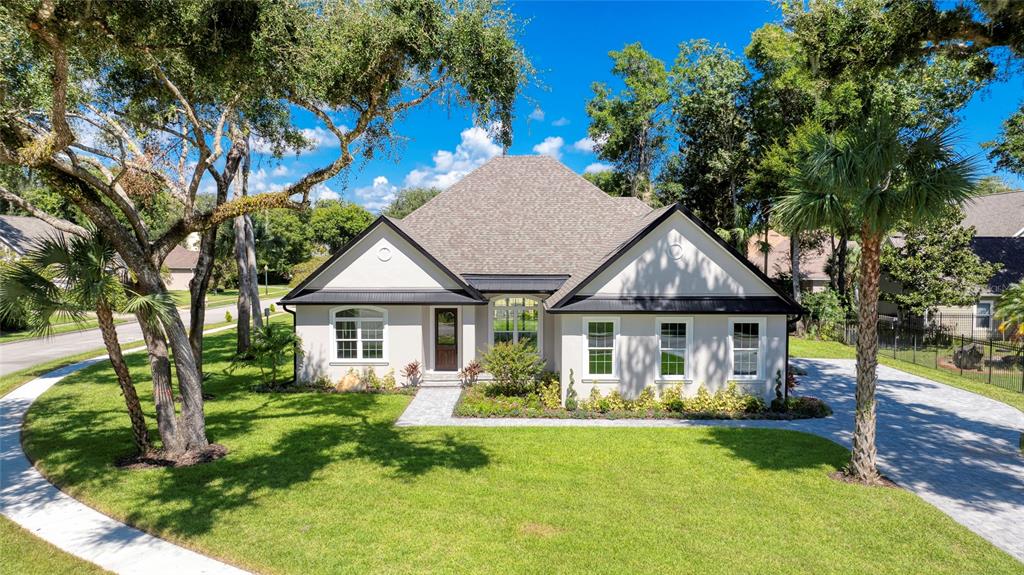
[(482, 400)]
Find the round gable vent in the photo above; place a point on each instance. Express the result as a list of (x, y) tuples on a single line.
[(676, 251), (384, 254)]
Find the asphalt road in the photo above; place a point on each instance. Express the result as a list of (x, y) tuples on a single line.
[(23, 354)]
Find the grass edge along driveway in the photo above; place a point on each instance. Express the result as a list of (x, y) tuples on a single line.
[(324, 483), (810, 348)]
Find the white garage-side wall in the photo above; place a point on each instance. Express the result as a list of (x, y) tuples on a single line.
[(637, 356), (179, 279), (403, 342), (383, 260), (677, 258)]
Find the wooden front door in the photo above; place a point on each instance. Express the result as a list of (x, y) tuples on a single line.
[(446, 339)]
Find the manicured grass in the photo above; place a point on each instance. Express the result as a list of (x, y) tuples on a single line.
[(799, 347), (225, 297), (89, 323), (25, 554), (325, 483)]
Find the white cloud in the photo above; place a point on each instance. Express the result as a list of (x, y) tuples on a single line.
[(475, 148), (584, 145), (280, 170), (323, 192), (537, 114), (596, 168), (563, 121), (317, 137), (376, 196), (551, 146)]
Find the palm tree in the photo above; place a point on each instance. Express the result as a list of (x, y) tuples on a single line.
[(1010, 311), (63, 277), (869, 179)]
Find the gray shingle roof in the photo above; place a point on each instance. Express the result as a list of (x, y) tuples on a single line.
[(181, 259), (1007, 251), (20, 232), (523, 215), (996, 215)]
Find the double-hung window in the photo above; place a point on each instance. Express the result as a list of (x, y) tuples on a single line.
[(516, 319), (983, 315), (746, 336), (359, 334), (674, 336), (600, 339)]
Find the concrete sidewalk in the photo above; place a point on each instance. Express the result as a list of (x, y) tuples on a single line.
[(27, 498)]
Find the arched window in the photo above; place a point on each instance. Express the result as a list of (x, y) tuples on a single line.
[(516, 319), (359, 333)]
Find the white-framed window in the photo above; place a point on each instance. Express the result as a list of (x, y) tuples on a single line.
[(746, 345), (983, 315), (359, 334), (675, 337), (600, 335), (516, 318)]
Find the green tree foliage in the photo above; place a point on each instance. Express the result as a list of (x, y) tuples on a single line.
[(335, 222), (610, 182), (711, 116), (934, 264), (629, 128), (994, 185), (408, 200)]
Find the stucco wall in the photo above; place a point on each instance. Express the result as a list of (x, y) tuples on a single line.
[(677, 258), (178, 280), (637, 357), (403, 342), (382, 259)]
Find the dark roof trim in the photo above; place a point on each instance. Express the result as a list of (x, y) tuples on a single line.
[(516, 283), (383, 220), (767, 305), (654, 224), (381, 297)]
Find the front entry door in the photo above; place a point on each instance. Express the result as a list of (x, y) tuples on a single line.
[(446, 339)]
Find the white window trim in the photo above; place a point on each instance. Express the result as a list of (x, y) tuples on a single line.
[(431, 344), (383, 360), (761, 341), (977, 315), (614, 375), (540, 318), (688, 366)]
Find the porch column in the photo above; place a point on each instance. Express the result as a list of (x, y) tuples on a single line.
[(468, 315)]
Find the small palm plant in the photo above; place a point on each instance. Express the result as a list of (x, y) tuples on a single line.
[(1010, 312), (65, 278), (869, 179), (269, 349)]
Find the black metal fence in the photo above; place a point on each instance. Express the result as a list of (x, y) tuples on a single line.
[(972, 325), (993, 362)]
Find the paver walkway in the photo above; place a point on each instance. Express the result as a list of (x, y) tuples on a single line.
[(957, 450), (27, 498)]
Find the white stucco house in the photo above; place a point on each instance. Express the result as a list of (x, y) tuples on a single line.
[(524, 249)]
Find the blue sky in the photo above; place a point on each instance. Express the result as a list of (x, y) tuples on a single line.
[(568, 43)]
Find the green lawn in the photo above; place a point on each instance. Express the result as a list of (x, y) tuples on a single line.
[(799, 347), (25, 554), (324, 483), (225, 297)]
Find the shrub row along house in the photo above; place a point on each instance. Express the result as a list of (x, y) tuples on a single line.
[(524, 249)]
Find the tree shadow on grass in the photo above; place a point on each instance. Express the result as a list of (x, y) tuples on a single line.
[(187, 501), (778, 449)]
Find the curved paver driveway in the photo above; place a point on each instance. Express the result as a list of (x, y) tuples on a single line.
[(957, 450)]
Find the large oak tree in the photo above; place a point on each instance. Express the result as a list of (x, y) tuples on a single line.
[(111, 102)]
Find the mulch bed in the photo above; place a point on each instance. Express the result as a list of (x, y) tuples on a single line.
[(155, 460)]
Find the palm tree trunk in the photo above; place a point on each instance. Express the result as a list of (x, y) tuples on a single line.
[(864, 455), (244, 288), (140, 434)]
